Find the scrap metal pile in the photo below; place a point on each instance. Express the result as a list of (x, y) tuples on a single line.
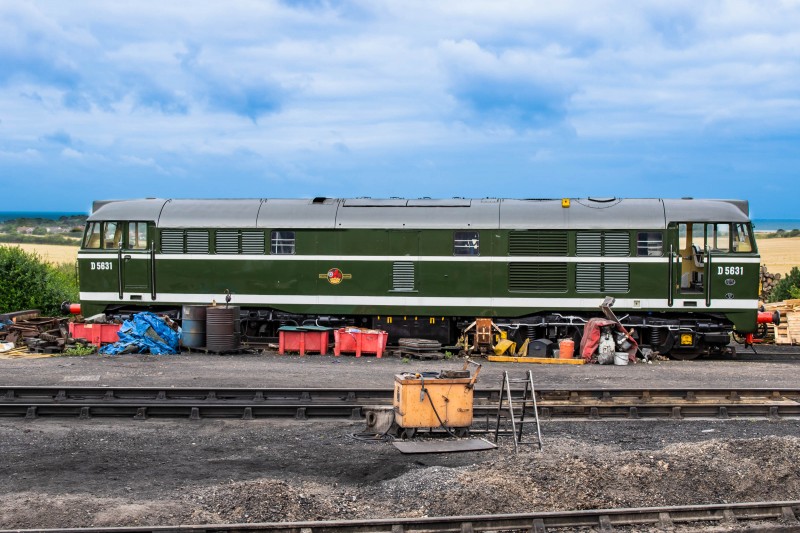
[(25, 332)]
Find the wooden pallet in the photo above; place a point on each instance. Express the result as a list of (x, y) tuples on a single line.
[(788, 331)]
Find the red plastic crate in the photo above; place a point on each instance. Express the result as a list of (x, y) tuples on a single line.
[(360, 341), (97, 334), (303, 339)]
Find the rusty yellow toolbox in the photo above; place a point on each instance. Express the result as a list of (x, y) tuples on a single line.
[(419, 398)]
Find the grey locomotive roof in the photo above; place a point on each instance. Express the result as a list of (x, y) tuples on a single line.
[(396, 213), (290, 214), (210, 214), (148, 209), (419, 214), (690, 210), (583, 214)]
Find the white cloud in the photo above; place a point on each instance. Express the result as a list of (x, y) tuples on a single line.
[(284, 89), (71, 153)]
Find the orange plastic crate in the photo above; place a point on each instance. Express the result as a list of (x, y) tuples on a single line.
[(360, 341), (303, 339)]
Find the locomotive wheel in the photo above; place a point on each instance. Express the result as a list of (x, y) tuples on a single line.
[(686, 355)]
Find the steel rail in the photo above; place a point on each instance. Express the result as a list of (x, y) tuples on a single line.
[(781, 515), (197, 402)]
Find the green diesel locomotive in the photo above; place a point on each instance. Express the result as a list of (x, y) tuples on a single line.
[(684, 272)]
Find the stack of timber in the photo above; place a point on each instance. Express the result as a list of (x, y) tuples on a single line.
[(788, 331), (420, 348), (768, 282)]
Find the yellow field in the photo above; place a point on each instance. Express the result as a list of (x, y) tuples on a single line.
[(780, 255), (52, 253)]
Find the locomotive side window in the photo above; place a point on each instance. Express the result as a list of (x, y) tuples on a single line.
[(92, 238), (282, 243), (466, 243), (742, 242), (693, 257), (692, 238), (718, 237), (137, 235), (649, 244), (112, 235)]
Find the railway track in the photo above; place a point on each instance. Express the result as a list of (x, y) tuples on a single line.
[(777, 516), (302, 403), (784, 354)]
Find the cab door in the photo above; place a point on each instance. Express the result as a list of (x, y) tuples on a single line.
[(136, 259), (689, 265)]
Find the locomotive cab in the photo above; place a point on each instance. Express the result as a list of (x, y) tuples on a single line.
[(714, 269), (698, 243), (116, 258)]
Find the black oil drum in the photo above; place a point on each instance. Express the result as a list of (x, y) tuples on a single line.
[(193, 327), (222, 329)]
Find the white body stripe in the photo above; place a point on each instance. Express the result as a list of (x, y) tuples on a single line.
[(418, 301), (420, 258)]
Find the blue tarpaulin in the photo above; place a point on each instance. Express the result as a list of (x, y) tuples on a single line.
[(144, 332)]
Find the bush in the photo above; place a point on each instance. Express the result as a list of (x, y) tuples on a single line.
[(781, 233), (40, 239), (787, 288), (27, 282)]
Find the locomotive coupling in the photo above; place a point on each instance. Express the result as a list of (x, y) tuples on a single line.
[(765, 317)]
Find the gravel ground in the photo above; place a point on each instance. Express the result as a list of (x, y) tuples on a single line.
[(269, 370), (102, 472)]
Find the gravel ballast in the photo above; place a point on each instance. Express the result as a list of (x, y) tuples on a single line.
[(121, 472)]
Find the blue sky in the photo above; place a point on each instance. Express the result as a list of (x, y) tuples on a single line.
[(368, 98)]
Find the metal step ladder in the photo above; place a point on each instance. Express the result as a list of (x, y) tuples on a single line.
[(517, 408)]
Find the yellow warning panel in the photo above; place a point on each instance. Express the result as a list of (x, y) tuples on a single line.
[(539, 360)]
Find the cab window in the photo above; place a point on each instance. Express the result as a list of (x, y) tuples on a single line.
[(112, 235), (92, 238), (742, 240), (692, 242), (718, 237), (137, 235)]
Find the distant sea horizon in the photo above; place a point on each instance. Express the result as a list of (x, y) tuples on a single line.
[(51, 215), (760, 224), (774, 224)]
